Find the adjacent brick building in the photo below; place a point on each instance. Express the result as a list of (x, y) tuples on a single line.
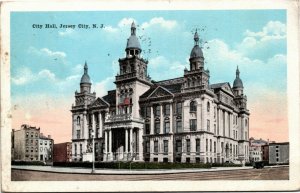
[(62, 152), (279, 153)]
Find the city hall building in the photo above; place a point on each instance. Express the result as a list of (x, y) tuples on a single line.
[(184, 119)]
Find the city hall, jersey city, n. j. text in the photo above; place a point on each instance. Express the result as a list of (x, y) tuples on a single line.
[(185, 119)]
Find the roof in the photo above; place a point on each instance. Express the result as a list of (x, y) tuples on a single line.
[(85, 77), (217, 85), (196, 52), (237, 83), (133, 42), (110, 98)]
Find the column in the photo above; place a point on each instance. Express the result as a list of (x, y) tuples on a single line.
[(126, 140), (141, 149), (106, 144), (100, 125), (85, 132), (93, 124), (151, 121), (110, 141), (161, 120), (171, 118), (131, 140)]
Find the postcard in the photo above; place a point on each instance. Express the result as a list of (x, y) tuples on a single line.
[(149, 96)]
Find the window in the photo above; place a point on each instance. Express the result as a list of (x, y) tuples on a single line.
[(147, 146), (210, 145), (178, 146), (155, 147), (157, 110), (147, 128), (78, 120), (36, 134), (206, 145), (208, 125), (193, 106), (45, 142), (41, 149), (178, 108), (166, 150), (188, 145), (193, 124), (78, 134), (215, 129), (27, 134), (198, 146), (80, 149), (208, 107), (167, 109), (148, 111), (246, 123), (75, 149), (215, 147), (178, 126), (36, 149), (27, 149), (222, 146), (215, 112), (167, 127), (157, 127)]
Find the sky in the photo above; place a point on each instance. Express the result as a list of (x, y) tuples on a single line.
[(47, 64)]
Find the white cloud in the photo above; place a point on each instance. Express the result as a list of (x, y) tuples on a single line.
[(47, 52), (67, 32), (103, 86), (160, 21), (126, 22), (23, 76), (110, 29), (45, 73), (272, 30)]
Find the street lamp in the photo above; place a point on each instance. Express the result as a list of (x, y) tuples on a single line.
[(93, 152)]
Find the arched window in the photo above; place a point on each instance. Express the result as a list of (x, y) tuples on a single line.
[(78, 120), (208, 106), (193, 106)]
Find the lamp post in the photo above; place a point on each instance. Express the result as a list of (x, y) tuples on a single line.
[(93, 152)]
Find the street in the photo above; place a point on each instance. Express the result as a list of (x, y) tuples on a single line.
[(268, 173)]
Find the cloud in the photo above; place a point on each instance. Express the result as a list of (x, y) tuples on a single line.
[(160, 21), (23, 76), (272, 30), (67, 32), (45, 73), (103, 86), (126, 22), (47, 52), (110, 29)]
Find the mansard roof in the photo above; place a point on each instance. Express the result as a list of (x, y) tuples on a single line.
[(110, 98)]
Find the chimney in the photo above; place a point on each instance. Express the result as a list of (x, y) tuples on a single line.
[(49, 136)]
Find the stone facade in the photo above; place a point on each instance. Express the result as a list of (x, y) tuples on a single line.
[(185, 119), (28, 144)]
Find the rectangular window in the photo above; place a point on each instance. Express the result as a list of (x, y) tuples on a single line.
[(155, 147), (206, 145), (215, 129), (80, 149), (167, 127), (147, 129), (157, 127), (210, 145), (167, 110), (148, 147), (215, 147), (198, 146), (178, 126), (157, 111), (78, 134), (193, 124), (208, 125), (75, 149), (178, 146), (188, 145), (178, 108), (148, 111), (166, 150)]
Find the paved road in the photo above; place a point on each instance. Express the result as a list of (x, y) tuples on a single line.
[(276, 173)]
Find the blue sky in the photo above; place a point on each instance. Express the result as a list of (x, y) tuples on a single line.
[(47, 63)]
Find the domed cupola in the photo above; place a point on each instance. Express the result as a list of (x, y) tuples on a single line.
[(196, 51), (133, 47), (85, 82), (85, 79), (237, 83)]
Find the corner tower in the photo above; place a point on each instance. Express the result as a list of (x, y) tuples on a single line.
[(196, 77)]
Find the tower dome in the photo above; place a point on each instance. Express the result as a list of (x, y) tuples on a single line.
[(85, 79), (237, 83), (133, 42), (196, 51)]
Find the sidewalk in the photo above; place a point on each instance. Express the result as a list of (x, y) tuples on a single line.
[(125, 171)]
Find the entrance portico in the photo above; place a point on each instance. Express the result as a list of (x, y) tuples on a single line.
[(123, 138)]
